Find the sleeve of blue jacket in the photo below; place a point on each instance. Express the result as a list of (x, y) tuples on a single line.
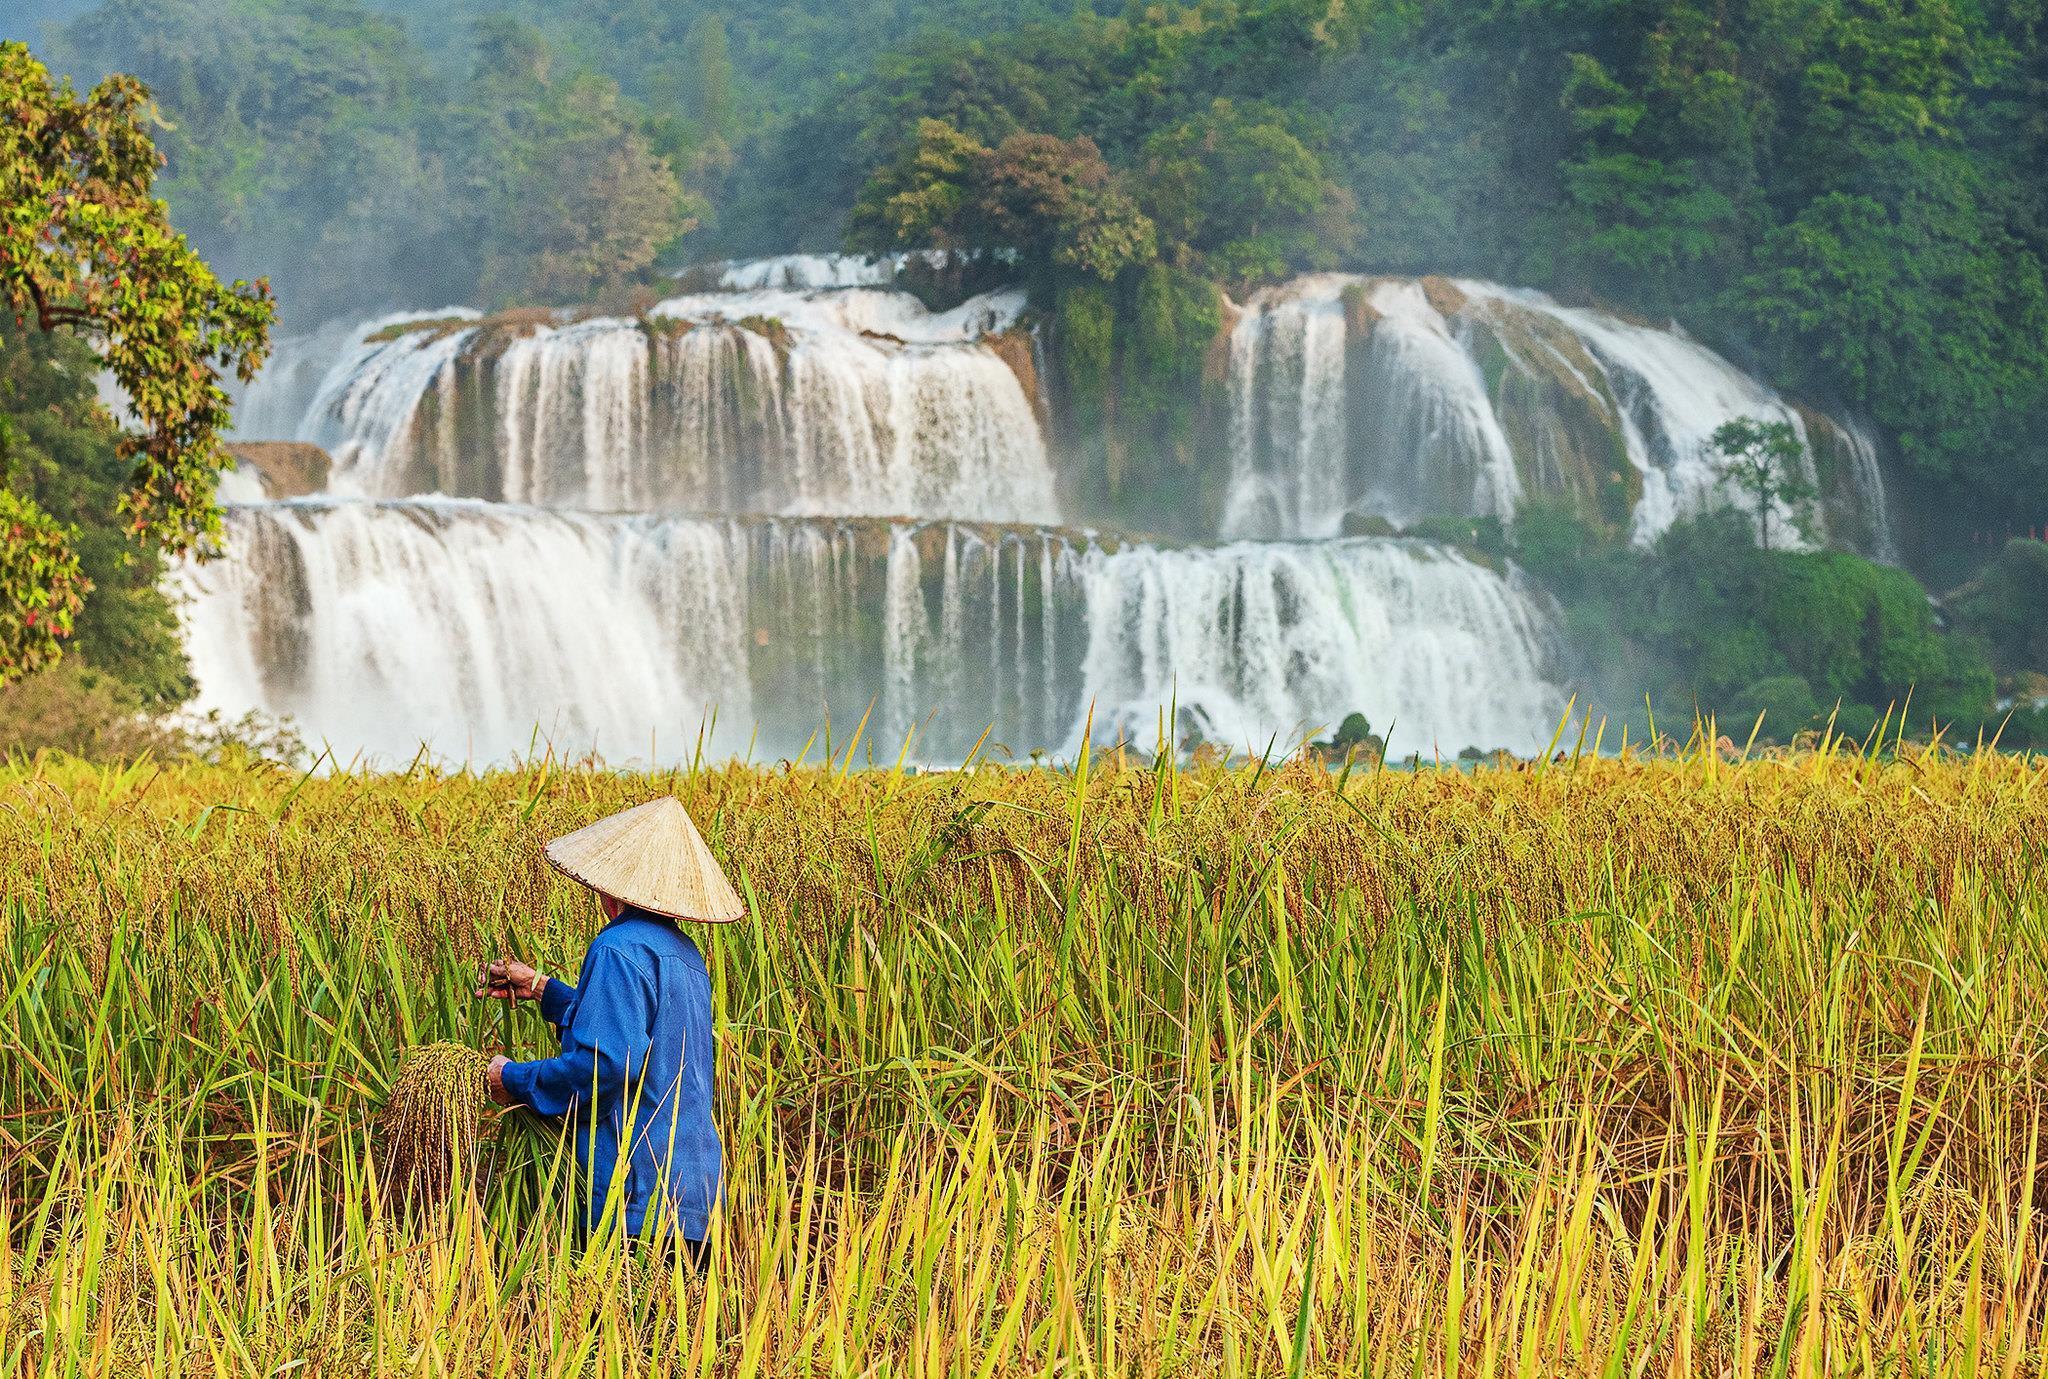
[(610, 1020), (557, 998)]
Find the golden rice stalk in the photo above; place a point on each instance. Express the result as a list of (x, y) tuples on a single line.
[(430, 1124)]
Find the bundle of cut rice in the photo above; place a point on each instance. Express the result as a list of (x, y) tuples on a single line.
[(430, 1125)]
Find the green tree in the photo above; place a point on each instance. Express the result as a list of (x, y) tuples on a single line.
[(1232, 189), (710, 96), (1764, 459), (2004, 605), (567, 196), (1704, 617), (85, 247), (1053, 203), (60, 450), (1912, 297), (927, 197), (1056, 201), (1661, 165), (303, 142)]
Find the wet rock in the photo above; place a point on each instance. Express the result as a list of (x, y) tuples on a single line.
[(288, 469)]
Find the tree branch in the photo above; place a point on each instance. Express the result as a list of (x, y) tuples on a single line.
[(49, 317)]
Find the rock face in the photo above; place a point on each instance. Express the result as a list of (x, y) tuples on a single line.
[(286, 469)]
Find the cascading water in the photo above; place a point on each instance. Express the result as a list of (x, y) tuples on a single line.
[(462, 625), (1406, 434), (598, 577), (1673, 394), (1859, 482), (1257, 640), (365, 411), (573, 410), (471, 626), (1288, 432), (1403, 399), (274, 406), (846, 402), (810, 272)]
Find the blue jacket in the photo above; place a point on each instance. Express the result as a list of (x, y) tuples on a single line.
[(636, 1041)]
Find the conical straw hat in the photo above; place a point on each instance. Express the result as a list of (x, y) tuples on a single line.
[(651, 856)]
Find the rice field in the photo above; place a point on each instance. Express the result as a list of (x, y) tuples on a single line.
[(1653, 1065)]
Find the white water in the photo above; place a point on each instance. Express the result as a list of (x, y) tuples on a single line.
[(1288, 435), (573, 423), (274, 406), (364, 410), (479, 629), (1674, 394), (865, 403), (607, 594), (1406, 426), (1427, 412), (1254, 640), (381, 628), (810, 272), (1875, 509)]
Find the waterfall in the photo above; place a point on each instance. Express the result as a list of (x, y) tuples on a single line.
[(844, 402), (790, 496), (1407, 432), (475, 628), (811, 272), (924, 431), (275, 405), (1674, 394), (1865, 500), (573, 407), (1253, 640), (480, 629), (1288, 432), (365, 409), (1432, 442), (1404, 399)]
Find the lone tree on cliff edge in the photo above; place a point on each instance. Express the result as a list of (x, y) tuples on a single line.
[(1763, 459), (85, 247)]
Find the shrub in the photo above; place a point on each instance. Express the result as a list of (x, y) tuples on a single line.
[(73, 707), (41, 588), (1705, 617), (1784, 702), (2003, 605)]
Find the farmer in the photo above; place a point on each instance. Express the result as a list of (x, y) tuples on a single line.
[(636, 1060)]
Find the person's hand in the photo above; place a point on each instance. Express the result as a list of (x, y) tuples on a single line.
[(494, 1080), (509, 979)]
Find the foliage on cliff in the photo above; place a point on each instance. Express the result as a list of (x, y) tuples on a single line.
[(318, 145), (1707, 621), (1845, 198), (2004, 605), (1051, 203)]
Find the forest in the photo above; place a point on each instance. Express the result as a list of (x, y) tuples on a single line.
[(1847, 199)]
